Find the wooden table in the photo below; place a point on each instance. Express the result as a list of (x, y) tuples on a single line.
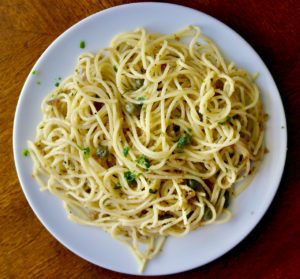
[(272, 250)]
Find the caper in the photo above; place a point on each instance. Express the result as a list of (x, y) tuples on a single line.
[(132, 108), (207, 214), (139, 83), (102, 151), (184, 141), (227, 199), (194, 184)]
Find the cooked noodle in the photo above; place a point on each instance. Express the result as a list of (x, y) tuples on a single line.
[(148, 137)]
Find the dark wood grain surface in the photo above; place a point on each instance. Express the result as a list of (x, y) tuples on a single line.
[(272, 250)]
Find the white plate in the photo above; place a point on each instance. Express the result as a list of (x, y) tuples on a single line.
[(93, 244)]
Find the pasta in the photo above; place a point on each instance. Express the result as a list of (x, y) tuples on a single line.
[(147, 138)]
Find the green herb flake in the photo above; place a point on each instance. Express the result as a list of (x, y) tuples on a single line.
[(25, 152), (86, 151), (153, 191), (189, 130), (130, 176), (208, 110), (224, 122), (184, 141), (34, 72), (144, 162), (38, 82), (56, 84), (282, 127), (143, 108), (59, 78), (141, 98), (115, 68), (126, 150), (82, 44)]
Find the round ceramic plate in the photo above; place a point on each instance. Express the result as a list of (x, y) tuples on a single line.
[(93, 244)]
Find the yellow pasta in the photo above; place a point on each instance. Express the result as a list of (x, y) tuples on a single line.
[(147, 138)]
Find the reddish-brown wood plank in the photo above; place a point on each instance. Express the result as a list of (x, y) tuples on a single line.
[(272, 250)]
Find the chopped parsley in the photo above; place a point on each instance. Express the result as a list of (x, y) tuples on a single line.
[(59, 78), (152, 191), (126, 150), (38, 82), (115, 68), (34, 72), (282, 127), (189, 130), (86, 151), (82, 44), (144, 162), (130, 176), (184, 141), (25, 152), (224, 122), (56, 84), (141, 98)]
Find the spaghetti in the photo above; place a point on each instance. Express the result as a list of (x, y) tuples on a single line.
[(148, 137)]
